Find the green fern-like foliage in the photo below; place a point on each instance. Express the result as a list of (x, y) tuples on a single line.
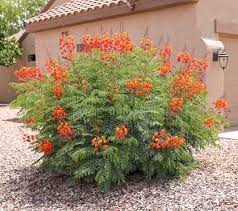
[(96, 102)]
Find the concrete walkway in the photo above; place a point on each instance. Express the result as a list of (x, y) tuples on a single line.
[(230, 133)]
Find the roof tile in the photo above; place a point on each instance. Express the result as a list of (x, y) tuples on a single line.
[(72, 7)]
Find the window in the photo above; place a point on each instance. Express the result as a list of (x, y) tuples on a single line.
[(31, 58)]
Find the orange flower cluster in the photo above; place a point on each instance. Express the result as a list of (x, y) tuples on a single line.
[(138, 87), (193, 65), (67, 46), (209, 122), (199, 64), (163, 140), (59, 76), (58, 72), (64, 130), (185, 86), (108, 56), (59, 113), (176, 105), (165, 54), (45, 146), (99, 143), (63, 127), (121, 132), (147, 44), (30, 120), (220, 103), (26, 73), (49, 64), (28, 138), (58, 91), (165, 51), (184, 57), (164, 69), (120, 42)]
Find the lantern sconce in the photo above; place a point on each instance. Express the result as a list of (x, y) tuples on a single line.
[(222, 57)]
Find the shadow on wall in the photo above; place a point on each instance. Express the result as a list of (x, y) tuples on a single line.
[(7, 94)]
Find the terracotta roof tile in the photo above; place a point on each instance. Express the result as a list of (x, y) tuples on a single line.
[(72, 7)]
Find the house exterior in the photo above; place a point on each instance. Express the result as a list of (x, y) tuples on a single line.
[(199, 26), (7, 74), (27, 43)]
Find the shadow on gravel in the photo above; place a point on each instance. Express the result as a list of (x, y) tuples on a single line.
[(15, 120), (35, 186)]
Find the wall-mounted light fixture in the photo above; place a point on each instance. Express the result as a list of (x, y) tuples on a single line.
[(222, 57)]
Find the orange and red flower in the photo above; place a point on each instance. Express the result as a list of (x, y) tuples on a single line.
[(58, 73), (121, 132), (176, 105), (45, 146), (30, 120), (185, 86), (209, 122), (164, 69), (120, 42), (64, 130), (165, 51), (184, 57), (59, 113), (58, 91), (67, 46), (163, 140), (165, 54), (99, 143), (27, 73), (138, 87), (109, 56), (199, 64), (176, 142), (220, 103), (59, 76)]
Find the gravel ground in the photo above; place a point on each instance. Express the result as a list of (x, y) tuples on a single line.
[(212, 186)]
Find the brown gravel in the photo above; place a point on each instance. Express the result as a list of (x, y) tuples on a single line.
[(212, 186)]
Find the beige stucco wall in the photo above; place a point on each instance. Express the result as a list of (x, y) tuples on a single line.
[(7, 74), (207, 12), (28, 46)]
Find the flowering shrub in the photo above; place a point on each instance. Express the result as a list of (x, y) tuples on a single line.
[(116, 108)]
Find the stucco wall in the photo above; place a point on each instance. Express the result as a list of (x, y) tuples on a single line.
[(207, 12), (7, 74), (176, 26), (28, 46)]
